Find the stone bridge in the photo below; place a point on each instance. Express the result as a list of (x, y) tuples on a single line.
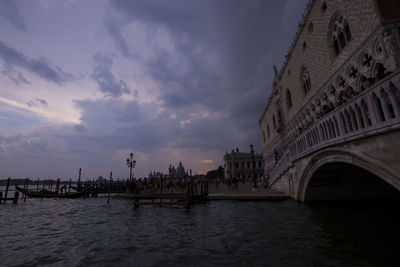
[(352, 152)]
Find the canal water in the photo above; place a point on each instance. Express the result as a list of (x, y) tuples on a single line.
[(88, 232)]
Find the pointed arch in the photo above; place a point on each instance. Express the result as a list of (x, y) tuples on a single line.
[(305, 80), (339, 34)]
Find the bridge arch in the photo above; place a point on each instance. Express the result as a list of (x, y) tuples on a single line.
[(343, 161)]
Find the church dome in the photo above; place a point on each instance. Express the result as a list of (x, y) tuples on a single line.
[(180, 171)]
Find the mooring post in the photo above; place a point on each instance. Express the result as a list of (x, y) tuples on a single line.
[(109, 189), (79, 179), (69, 187), (58, 185), (8, 184), (27, 185), (16, 196), (1, 196), (37, 185), (22, 195)]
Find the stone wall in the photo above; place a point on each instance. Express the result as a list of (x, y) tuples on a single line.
[(313, 52)]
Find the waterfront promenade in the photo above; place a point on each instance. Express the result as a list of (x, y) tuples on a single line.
[(223, 191), (244, 192)]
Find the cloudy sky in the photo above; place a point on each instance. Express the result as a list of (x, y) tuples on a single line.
[(84, 83)]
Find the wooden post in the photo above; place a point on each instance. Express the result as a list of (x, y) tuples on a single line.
[(161, 183), (58, 185), (79, 179), (1, 196), (69, 188), (109, 189), (8, 184), (27, 185), (37, 185), (44, 183), (22, 195), (16, 196)]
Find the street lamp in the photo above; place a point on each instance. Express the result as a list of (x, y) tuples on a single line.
[(131, 164), (254, 166)]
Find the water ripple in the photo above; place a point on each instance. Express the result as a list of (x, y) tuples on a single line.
[(88, 232)]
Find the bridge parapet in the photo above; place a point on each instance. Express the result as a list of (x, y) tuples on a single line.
[(373, 111)]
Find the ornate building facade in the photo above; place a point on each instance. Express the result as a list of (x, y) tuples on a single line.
[(243, 165), (339, 79)]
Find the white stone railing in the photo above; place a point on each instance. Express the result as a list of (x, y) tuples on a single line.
[(376, 110)]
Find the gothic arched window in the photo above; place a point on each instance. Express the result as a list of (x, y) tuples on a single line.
[(339, 35), (305, 80), (288, 99)]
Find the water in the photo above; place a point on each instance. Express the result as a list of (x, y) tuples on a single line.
[(88, 232)]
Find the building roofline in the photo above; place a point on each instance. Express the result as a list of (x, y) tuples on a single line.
[(293, 44)]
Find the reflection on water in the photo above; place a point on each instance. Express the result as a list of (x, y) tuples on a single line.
[(226, 233)]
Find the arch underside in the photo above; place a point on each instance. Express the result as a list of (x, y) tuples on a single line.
[(345, 181), (339, 174)]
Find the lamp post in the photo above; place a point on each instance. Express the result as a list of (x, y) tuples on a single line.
[(131, 164), (254, 166)]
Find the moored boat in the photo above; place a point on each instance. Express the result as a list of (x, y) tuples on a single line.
[(48, 194)]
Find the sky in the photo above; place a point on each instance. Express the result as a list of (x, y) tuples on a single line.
[(85, 83)]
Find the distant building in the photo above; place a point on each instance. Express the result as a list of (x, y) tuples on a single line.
[(180, 171), (240, 165)]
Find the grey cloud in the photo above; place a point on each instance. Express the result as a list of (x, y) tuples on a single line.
[(38, 103), (120, 41), (41, 67), (9, 11), (117, 124), (105, 78), (15, 76), (234, 33)]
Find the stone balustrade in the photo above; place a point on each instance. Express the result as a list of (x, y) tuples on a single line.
[(375, 110)]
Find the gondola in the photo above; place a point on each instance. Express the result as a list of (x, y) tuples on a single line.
[(48, 194)]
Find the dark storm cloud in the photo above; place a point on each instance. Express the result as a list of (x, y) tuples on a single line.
[(9, 11), (13, 58), (105, 78), (226, 50)]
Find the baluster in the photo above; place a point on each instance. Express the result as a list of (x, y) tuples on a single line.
[(347, 121), (365, 115), (392, 96), (373, 108), (385, 105)]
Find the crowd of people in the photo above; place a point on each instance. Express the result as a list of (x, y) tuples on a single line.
[(180, 185)]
